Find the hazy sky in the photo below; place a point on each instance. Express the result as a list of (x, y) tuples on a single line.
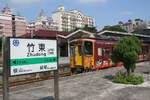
[(105, 12)]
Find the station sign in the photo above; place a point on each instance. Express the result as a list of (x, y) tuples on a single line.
[(32, 55)]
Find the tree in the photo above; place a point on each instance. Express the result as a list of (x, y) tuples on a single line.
[(114, 28), (86, 28), (90, 29), (127, 51)]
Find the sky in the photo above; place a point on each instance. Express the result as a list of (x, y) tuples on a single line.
[(105, 12)]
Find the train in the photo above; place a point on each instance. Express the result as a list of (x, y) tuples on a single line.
[(93, 54)]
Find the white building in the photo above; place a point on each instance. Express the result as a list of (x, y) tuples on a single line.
[(148, 24), (12, 24), (42, 22), (132, 25), (70, 20)]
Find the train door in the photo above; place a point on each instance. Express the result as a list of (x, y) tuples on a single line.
[(88, 55), (72, 56), (78, 55)]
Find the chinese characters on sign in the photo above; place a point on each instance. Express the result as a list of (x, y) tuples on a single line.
[(30, 47), (35, 55), (41, 47)]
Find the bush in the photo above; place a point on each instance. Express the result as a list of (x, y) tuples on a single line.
[(126, 51), (124, 79)]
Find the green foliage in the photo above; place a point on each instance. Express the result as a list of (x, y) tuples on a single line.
[(114, 28), (90, 29), (127, 51), (86, 28), (130, 79)]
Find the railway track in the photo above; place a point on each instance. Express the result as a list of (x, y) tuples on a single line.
[(32, 80)]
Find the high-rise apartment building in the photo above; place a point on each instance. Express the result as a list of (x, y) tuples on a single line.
[(70, 20), (13, 25)]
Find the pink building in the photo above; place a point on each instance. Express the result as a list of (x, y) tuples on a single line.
[(12, 24)]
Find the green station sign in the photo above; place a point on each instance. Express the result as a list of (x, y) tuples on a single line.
[(32, 56)]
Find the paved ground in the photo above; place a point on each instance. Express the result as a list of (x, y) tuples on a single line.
[(87, 86)]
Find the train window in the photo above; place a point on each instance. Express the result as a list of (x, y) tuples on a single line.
[(79, 50), (99, 51), (106, 52), (88, 48), (145, 50), (72, 51), (103, 52), (64, 51)]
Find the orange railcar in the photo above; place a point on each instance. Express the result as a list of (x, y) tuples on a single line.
[(93, 54)]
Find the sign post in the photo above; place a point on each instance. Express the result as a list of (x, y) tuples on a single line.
[(32, 56), (56, 77), (5, 69), (56, 85)]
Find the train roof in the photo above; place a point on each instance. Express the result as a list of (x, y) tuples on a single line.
[(114, 35), (46, 34), (122, 33), (104, 35)]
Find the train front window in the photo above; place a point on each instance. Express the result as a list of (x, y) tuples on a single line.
[(72, 51), (79, 50), (88, 48)]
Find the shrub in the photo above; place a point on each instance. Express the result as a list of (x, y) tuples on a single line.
[(127, 79), (126, 51)]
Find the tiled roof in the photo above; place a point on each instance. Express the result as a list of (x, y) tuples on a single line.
[(26, 35), (46, 34)]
